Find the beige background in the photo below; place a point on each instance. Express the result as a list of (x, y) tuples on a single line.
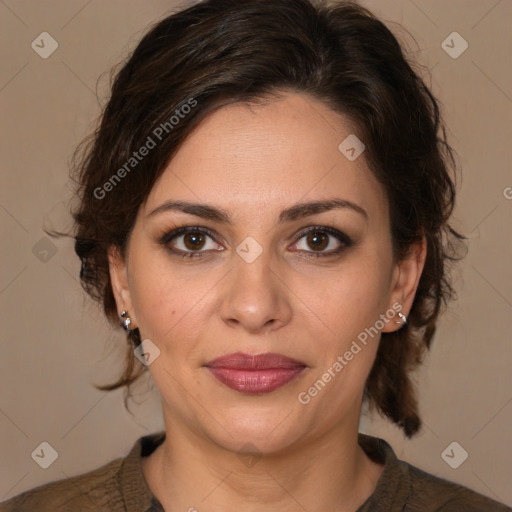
[(55, 343)]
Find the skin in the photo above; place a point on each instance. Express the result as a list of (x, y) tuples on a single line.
[(254, 162)]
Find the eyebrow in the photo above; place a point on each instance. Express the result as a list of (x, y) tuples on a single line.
[(295, 212)]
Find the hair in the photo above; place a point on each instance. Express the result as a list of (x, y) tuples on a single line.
[(219, 52)]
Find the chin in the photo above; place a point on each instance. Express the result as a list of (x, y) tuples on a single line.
[(265, 431)]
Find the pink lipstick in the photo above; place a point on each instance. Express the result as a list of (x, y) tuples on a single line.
[(255, 374)]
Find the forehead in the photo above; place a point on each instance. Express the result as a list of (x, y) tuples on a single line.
[(245, 157)]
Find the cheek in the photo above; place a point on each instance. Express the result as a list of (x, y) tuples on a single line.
[(350, 304), (351, 298), (170, 305), (154, 299)]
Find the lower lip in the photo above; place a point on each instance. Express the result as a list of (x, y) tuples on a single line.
[(256, 382)]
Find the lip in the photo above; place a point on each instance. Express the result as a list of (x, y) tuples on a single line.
[(255, 374)]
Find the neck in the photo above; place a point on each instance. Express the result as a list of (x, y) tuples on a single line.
[(188, 472)]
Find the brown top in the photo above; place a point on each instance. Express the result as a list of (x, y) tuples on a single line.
[(119, 486)]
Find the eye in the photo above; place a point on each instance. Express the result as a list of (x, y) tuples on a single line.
[(186, 241), (322, 241), (195, 241)]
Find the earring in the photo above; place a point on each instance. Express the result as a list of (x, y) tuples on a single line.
[(403, 318), (125, 320)]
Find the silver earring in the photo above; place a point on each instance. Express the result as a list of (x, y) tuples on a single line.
[(403, 318), (125, 320)]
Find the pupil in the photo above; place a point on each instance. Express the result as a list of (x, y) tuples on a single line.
[(194, 240), (318, 240)]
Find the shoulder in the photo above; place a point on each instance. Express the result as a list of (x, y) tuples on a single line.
[(431, 493), (407, 488), (91, 491), (116, 486)]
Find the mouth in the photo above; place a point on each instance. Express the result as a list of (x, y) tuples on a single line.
[(255, 374)]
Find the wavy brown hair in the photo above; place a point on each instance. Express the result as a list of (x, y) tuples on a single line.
[(219, 52)]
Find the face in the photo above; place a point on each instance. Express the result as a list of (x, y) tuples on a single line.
[(258, 272)]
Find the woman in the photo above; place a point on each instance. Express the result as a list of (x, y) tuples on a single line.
[(264, 208)]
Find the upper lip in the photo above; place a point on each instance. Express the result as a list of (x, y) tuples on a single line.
[(265, 361)]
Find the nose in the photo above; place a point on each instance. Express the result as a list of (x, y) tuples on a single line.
[(255, 298)]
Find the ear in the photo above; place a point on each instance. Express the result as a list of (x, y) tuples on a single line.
[(120, 285), (406, 276)]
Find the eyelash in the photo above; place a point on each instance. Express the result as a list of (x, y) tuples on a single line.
[(345, 241)]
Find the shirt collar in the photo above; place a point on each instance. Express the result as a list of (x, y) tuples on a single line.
[(391, 491), (134, 488), (393, 486)]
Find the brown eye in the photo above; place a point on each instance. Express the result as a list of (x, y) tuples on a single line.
[(191, 241), (194, 240), (322, 241), (317, 240)]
